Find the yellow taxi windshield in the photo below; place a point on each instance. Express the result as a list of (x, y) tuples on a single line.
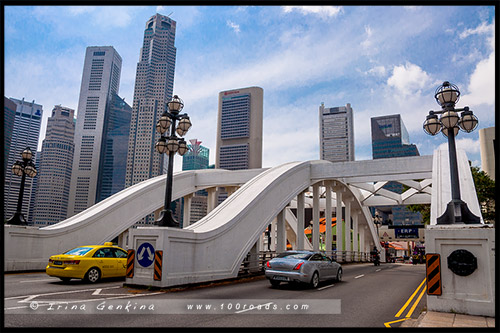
[(79, 251)]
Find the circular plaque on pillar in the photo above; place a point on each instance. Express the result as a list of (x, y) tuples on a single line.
[(462, 262)]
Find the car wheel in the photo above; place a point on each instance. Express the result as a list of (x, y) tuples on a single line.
[(315, 280), (93, 275), (339, 275), (274, 283)]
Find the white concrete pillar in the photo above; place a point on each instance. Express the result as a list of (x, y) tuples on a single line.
[(273, 234), (211, 199), (328, 217), (348, 243), (362, 244), (300, 221), (340, 236), (231, 189), (315, 233), (355, 233), (186, 210), (280, 232)]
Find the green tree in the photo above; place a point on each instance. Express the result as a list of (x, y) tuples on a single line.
[(485, 189)]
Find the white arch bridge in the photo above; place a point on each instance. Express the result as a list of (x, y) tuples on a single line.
[(215, 246)]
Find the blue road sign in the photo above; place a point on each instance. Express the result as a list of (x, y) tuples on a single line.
[(145, 254)]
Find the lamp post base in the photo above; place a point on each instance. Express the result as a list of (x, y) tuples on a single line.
[(166, 219), (458, 212), (17, 219)]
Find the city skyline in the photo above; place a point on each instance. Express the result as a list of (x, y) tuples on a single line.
[(335, 55)]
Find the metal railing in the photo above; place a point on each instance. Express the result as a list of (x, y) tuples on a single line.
[(256, 263)]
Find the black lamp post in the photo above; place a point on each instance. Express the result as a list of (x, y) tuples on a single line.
[(171, 144), (376, 221), (447, 95), (22, 168)]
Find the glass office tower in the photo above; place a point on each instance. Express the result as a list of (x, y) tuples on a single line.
[(390, 139)]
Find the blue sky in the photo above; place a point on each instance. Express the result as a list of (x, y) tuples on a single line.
[(382, 60)]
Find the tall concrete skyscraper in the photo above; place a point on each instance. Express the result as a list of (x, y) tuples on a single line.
[(336, 133), (54, 168), (154, 83), (27, 123), (239, 129), (100, 80)]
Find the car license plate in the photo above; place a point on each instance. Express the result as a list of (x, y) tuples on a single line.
[(57, 262), (280, 278)]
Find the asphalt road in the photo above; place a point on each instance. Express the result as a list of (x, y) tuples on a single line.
[(368, 296)]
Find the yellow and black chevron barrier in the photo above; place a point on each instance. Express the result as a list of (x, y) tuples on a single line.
[(433, 270), (130, 263), (158, 265)]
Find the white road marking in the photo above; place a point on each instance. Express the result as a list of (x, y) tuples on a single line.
[(378, 270), (328, 286), (52, 279), (359, 276)]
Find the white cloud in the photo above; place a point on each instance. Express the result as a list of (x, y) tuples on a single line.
[(482, 83), (233, 26), (377, 71), (483, 28), (322, 11), (407, 78), (469, 145)]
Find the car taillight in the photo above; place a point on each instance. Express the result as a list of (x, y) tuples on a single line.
[(268, 265), (297, 267), (72, 262)]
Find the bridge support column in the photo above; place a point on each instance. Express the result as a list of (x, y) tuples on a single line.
[(348, 241), (300, 221), (362, 244), (328, 217), (211, 199), (340, 234), (281, 232), (315, 233), (186, 211), (355, 233), (231, 189)]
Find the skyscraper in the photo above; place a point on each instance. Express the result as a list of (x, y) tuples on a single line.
[(26, 131), (196, 159), (390, 139), (54, 168), (336, 133), (239, 129), (113, 162), (154, 83), (100, 80), (9, 115), (197, 156)]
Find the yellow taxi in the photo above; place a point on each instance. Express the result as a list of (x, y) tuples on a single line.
[(89, 262)]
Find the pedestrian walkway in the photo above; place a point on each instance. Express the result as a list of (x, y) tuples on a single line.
[(444, 319)]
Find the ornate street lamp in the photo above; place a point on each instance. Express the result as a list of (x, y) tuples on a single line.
[(22, 168), (170, 145), (450, 123)]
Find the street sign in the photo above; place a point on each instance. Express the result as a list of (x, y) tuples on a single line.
[(145, 254)]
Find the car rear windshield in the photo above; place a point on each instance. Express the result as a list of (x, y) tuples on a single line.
[(293, 255), (79, 251)]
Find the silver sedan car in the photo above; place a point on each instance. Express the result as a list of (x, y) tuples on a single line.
[(302, 266)]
